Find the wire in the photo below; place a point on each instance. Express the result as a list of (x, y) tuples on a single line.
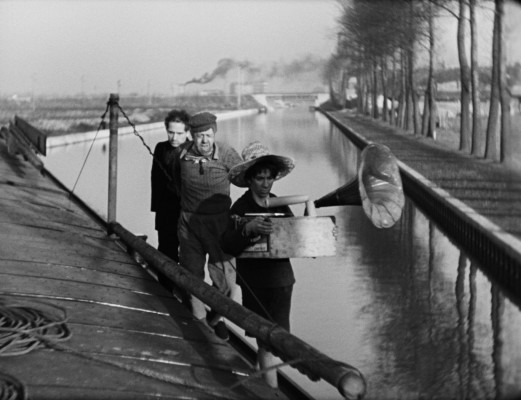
[(160, 164), (90, 148)]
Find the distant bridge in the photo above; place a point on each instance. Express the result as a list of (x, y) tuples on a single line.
[(282, 99)]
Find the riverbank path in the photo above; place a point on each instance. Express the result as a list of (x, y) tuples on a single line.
[(486, 187), (81, 318)]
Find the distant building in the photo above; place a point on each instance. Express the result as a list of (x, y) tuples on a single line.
[(246, 88), (211, 92)]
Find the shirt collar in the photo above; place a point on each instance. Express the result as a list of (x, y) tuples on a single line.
[(192, 150)]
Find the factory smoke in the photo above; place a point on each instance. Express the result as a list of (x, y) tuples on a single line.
[(290, 70)]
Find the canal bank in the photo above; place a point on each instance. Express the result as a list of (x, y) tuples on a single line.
[(475, 202), (72, 138)]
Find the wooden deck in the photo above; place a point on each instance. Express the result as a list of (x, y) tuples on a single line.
[(129, 338)]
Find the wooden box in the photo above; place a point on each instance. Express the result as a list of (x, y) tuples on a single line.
[(295, 237)]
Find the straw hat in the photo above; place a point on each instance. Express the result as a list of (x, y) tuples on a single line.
[(252, 154)]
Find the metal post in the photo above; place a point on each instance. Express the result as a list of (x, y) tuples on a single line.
[(113, 157)]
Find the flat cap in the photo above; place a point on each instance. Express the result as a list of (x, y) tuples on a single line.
[(202, 121)]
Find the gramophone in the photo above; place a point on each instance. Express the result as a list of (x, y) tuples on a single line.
[(377, 188)]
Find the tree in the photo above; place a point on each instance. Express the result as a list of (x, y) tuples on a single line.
[(429, 104), (492, 151), (507, 149), (465, 132), (478, 137)]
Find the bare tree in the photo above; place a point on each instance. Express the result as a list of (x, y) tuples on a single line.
[(478, 137), (465, 132), (492, 151), (429, 104), (507, 146)]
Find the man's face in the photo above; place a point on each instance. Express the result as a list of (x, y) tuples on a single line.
[(176, 133), (204, 141), (261, 183)]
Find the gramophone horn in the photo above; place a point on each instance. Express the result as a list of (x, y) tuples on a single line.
[(378, 188)]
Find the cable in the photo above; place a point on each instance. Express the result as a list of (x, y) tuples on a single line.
[(160, 164), (90, 148)]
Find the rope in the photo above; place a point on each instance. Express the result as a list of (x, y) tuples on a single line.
[(159, 163), (90, 148), (24, 329), (11, 388)]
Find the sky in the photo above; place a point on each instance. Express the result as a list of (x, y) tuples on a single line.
[(153, 46), (62, 46)]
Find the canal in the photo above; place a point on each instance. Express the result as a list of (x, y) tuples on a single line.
[(405, 305)]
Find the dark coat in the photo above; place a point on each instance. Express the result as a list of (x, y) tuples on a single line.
[(255, 272), (165, 199)]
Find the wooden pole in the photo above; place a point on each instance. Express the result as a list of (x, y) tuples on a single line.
[(348, 380), (113, 157)]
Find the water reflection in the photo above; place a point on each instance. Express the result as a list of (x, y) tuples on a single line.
[(404, 305)]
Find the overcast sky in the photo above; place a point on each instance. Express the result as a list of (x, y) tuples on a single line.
[(150, 43), (62, 46)]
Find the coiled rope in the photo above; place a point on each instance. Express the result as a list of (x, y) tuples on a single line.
[(24, 328), (11, 388), (27, 327)]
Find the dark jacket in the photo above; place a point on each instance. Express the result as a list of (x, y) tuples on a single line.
[(164, 200), (255, 272)]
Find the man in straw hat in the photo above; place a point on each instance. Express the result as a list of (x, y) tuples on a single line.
[(202, 170), (267, 284)]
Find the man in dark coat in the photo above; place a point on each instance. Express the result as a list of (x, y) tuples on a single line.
[(165, 199)]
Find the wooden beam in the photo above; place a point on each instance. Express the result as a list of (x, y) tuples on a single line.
[(36, 137)]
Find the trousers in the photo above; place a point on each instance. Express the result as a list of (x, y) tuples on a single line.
[(199, 236)]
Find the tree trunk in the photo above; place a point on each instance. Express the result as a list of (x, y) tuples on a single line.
[(402, 118), (332, 94), (366, 93), (385, 112), (359, 86), (393, 91), (429, 113), (508, 146), (492, 146), (375, 89), (412, 87), (478, 137), (465, 133)]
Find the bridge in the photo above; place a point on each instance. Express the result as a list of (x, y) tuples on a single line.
[(279, 100)]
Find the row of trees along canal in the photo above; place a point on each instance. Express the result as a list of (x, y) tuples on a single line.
[(379, 41)]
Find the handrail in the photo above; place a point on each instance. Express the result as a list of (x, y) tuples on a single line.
[(348, 380)]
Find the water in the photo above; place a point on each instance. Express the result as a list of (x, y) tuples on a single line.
[(405, 305)]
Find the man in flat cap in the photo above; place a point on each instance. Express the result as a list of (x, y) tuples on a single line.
[(202, 168)]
